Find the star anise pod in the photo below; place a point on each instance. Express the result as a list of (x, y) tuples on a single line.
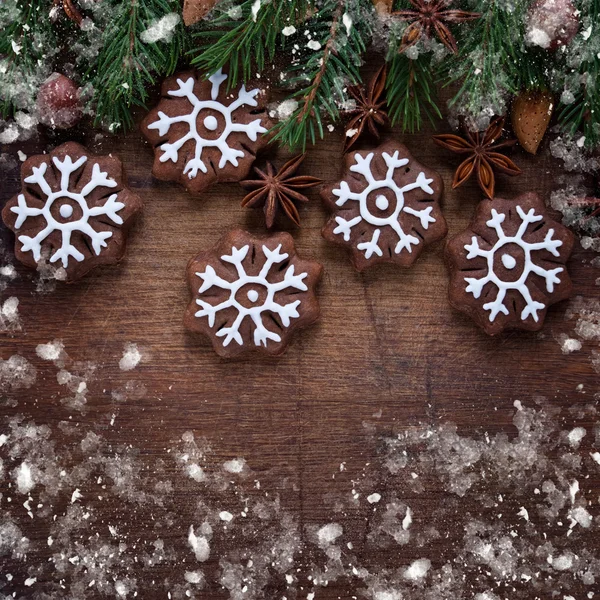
[(368, 111), (483, 156), (428, 15), (278, 189)]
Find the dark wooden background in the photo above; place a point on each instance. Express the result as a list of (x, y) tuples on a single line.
[(387, 341)]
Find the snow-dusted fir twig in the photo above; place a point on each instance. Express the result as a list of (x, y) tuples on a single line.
[(339, 34), (27, 43), (580, 100), (488, 64), (245, 35), (143, 42)]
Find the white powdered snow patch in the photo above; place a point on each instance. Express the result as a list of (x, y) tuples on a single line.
[(254, 10), (195, 577), (289, 30), (161, 30), (328, 534), (347, 22), (575, 436), (24, 478), (9, 315), (195, 472), (284, 110), (235, 465), (226, 516), (314, 45), (51, 351), (374, 498), (131, 357), (199, 545), (16, 373), (418, 569)]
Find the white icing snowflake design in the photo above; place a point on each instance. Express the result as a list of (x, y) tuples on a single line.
[(66, 226), (210, 123), (286, 312), (344, 194), (475, 286)]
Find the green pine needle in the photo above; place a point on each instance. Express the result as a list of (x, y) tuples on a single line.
[(244, 44), (127, 67), (411, 92), (342, 30)]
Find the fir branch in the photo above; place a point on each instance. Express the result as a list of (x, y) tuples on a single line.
[(411, 92), (490, 53), (27, 42), (342, 30), (410, 86), (245, 43), (582, 113), (126, 66)]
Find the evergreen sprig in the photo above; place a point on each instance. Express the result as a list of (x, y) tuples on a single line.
[(245, 36), (27, 41), (582, 111), (342, 30), (126, 66), (487, 66), (411, 91)]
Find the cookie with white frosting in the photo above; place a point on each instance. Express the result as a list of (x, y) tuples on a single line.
[(203, 134), (386, 207), (251, 294), (74, 211), (509, 266)]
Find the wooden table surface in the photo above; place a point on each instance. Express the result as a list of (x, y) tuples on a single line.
[(387, 355)]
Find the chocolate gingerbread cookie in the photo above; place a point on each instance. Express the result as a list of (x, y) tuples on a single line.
[(509, 265), (201, 134), (386, 208), (74, 210), (251, 293)]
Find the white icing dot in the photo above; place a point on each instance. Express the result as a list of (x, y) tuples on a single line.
[(66, 210), (210, 123), (509, 261), (253, 295), (382, 202)]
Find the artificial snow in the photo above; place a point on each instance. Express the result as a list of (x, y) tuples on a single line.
[(235, 465), (328, 534), (9, 315), (161, 30), (418, 569), (199, 545), (131, 357), (52, 351), (24, 478), (16, 373)]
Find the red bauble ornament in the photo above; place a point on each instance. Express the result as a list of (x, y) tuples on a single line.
[(58, 102), (551, 23)]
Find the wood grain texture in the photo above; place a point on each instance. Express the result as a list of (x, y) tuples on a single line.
[(387, 340)]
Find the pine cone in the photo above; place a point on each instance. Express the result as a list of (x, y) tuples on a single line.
[(531, 113)]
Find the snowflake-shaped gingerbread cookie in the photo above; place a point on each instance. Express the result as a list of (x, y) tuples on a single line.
[(202, 134), (74, 210), (251, 293), (509, 266), (386, 208)]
